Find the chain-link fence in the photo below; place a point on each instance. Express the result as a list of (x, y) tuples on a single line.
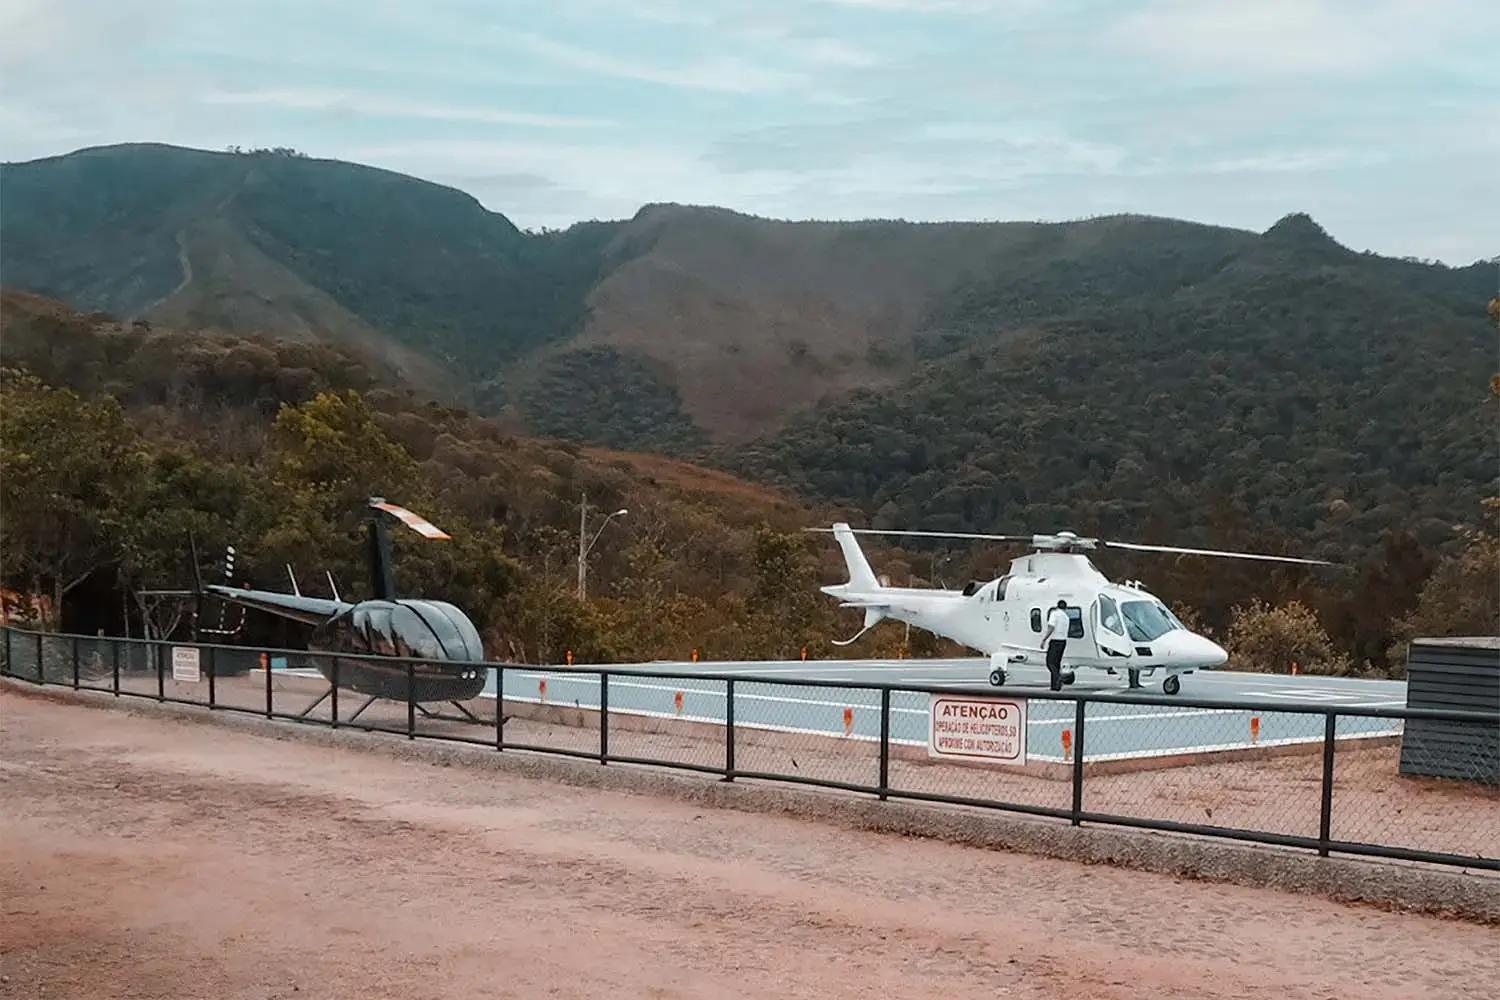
[(1411, 784)]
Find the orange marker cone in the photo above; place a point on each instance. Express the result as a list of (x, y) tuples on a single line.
[(541, 688), (1067, 741), (570, 657), (848, 721), (695, 656), (677, 701), (1254, 729), (804, 652)]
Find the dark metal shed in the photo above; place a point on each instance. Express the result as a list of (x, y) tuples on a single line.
[(1458, 674)]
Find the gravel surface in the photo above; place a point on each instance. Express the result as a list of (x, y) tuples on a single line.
[(151, 857)]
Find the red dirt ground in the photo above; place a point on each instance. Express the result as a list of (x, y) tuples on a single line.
[(148, 857)]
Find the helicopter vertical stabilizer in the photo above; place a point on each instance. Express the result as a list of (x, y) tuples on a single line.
[(861, 576)]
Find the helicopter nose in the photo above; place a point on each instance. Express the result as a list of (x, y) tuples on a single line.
[(1189, 649)]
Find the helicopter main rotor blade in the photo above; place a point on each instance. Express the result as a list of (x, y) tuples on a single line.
[(416, 522), (930, 534), (1216, 553)]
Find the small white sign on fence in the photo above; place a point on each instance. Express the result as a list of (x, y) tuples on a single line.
[(978, 729), (185, 664)]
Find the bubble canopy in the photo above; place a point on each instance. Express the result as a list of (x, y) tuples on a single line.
[(428, 630)]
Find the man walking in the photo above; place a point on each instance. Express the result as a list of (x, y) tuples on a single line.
[(1056, 640)]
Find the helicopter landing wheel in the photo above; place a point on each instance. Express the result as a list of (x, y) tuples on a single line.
[(1068, 677), (1171, 685), (997, 677), (1134, 676)]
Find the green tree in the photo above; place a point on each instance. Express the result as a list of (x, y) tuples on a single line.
[(1462, 597), (65, 466), (1270, 639), (782, 603)]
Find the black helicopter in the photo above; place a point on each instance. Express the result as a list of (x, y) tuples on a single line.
[(384, 625)]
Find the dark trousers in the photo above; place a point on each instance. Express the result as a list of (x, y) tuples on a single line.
[(1054, 661)]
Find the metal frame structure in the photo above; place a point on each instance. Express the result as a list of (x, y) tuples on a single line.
[(495, 737)]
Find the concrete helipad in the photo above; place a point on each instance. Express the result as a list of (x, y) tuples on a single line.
[(1113, 731)]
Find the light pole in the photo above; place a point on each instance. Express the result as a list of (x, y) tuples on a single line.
[(586, 544)]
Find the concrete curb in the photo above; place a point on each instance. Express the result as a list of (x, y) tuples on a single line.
[(1473, 896)]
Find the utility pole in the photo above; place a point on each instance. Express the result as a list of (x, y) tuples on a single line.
[(583, 534), (586, 544)]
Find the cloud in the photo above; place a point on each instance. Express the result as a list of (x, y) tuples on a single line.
[(730, 74), (376, 105), (999, 150), (1275, 37)]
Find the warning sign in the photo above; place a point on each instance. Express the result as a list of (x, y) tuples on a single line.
[(185, 664), (987, 729)]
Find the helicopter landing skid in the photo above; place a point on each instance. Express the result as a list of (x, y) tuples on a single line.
[(328, 694), (316, 702), (464, 715)]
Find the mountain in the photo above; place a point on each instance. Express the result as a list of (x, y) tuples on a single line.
[(1122, 374), (641, 333), (1278, 387), (415, 273)]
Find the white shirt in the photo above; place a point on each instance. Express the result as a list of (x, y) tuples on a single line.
[(1058, 621)]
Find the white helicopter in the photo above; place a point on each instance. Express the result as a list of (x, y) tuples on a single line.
[(1112, 626)]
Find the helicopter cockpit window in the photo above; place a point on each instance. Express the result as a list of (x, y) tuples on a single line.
[(345, 633), (1000, 588), (413, 636), (972, 587), (1146, 620), (1109, 615), (374, 624)]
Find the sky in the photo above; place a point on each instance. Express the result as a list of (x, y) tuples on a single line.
[(1380, 118)]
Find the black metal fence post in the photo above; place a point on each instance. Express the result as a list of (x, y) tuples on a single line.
[(411, 701), (75, 663), (116, 671), (499, 708), (41, 670), (10, 664), (213, 680), (265, 661), (603, 717), (1325, 815), (1080, 711), (885, 743), (333, 694), (729, 729), (161, 675)]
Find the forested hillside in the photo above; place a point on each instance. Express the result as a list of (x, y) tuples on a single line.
[(283, 244), (1311, 394), (118, 439), (1127, 376), (689, 328)]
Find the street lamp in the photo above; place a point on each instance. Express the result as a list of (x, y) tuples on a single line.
[(586, 544)]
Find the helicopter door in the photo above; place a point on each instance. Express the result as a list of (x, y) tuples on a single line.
[(1109, 630)]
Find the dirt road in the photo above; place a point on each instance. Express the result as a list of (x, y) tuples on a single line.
[(146, 857)]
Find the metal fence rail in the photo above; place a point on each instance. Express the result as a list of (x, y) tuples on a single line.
[(1316, 779)]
